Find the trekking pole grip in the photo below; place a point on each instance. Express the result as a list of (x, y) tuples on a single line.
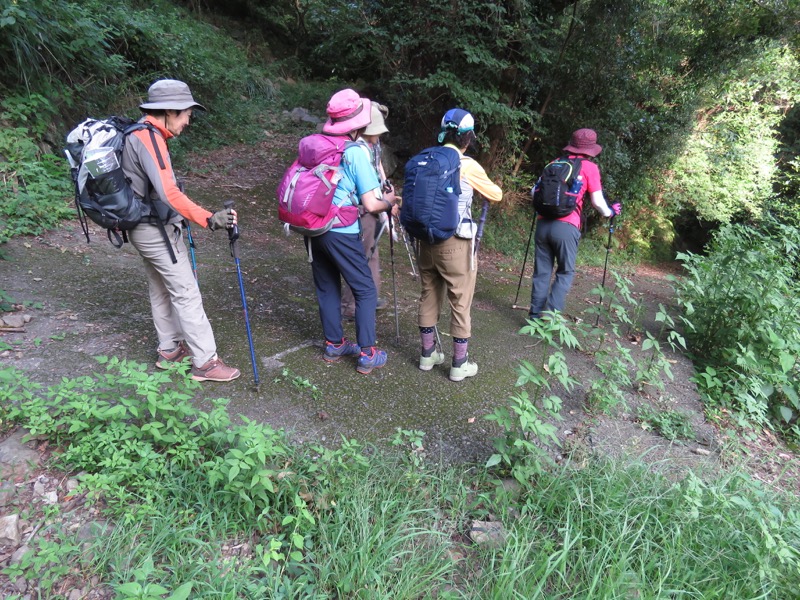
[(233, 232)]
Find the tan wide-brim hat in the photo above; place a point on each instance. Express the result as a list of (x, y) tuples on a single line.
[(170, 94), (377, 125)]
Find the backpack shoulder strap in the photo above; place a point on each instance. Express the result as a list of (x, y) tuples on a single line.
[(372, 156)]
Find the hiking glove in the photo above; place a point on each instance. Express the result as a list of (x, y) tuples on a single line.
[(616, 209), (222, 219)]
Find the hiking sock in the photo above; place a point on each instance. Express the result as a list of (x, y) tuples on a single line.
[(427, 340), (460, 351)]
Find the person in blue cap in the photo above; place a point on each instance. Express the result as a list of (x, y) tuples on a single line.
[(450, 267)]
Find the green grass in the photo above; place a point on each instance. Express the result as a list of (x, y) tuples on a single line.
[(347, 523)]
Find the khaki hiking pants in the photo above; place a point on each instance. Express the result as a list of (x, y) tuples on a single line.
[(175, 299), (445, 270)]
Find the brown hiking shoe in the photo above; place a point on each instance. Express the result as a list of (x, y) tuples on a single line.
[(215, 370), (167, 359)]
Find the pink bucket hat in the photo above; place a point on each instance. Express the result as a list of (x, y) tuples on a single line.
[(584, 141), (347, 111)]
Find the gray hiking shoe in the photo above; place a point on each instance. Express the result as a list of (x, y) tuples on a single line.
[(426, 363), (215, 370), (167, 358), (466, 369)]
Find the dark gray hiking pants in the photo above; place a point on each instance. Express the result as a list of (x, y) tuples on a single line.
[(556, 242)]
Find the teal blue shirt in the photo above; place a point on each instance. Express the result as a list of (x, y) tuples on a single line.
[(358, 178)]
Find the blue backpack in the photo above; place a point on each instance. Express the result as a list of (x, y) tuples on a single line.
[(430, 194)]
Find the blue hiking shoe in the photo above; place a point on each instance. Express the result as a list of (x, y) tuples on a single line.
[(334, 352), (374, 360)]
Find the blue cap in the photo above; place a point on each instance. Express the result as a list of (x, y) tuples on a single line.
[(458, 118)]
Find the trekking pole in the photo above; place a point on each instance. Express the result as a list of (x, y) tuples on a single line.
[(394, 282), (233, 235), (377, 239), (408, 251), (605, 267), (481, 224), (74, 168), (524, 262), (191, 251)]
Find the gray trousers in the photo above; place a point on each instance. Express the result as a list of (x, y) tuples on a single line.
[(556, 243), (175, 300)]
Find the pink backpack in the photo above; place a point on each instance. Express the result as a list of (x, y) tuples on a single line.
[(305, 194)]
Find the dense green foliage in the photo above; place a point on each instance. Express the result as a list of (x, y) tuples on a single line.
[(741, 304), (687, 96), (311, 522), (34, 186), (692, 100)]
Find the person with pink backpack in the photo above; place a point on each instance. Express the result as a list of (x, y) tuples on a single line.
[(338, 252)]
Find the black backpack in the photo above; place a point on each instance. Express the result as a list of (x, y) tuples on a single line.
[(431, 189), (102, 192), (556, 193)]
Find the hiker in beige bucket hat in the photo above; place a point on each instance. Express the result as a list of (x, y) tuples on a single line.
[(372, 224), (183, 330)]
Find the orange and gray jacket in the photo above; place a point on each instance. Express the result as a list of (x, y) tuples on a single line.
[(146, 162)]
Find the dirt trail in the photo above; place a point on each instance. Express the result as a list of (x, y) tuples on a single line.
[(91, 300)]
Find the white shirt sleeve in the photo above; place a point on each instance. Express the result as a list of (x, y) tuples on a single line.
[(600, 205)]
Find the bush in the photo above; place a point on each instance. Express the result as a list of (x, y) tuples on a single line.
[(740, 306), (187, 488), (35, 186)]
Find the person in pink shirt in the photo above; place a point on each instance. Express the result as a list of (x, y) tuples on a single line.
[(557, 239)]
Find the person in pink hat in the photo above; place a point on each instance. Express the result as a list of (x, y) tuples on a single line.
[(338, 254), (557, 239)]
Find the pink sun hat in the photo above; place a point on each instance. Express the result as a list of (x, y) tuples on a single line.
[(347, 111)]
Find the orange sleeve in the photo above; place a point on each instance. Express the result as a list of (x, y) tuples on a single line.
[(162, 177)]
